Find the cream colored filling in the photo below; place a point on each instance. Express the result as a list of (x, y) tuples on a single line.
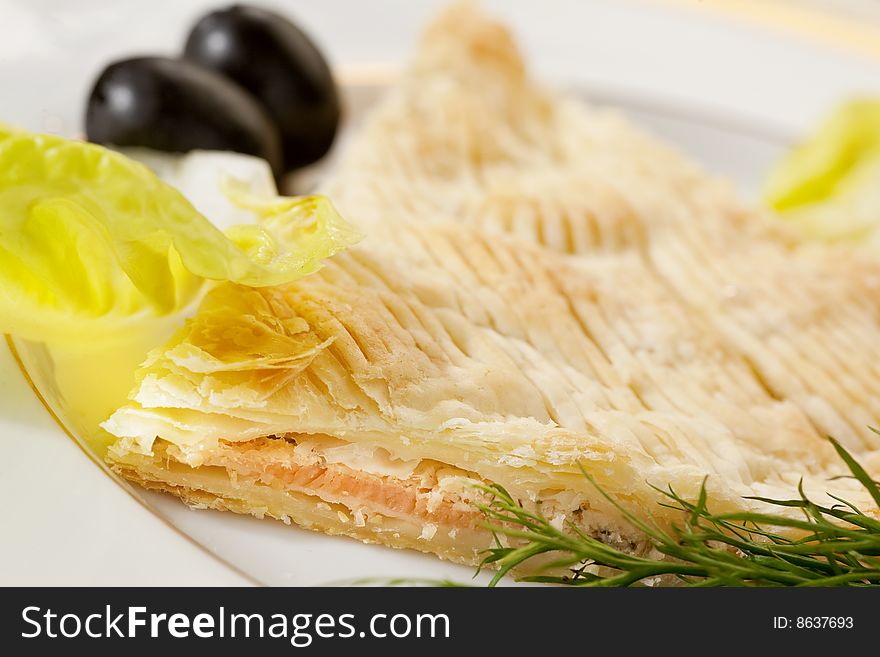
[(358, 456)]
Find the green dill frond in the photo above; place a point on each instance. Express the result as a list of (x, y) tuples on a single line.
[(827, 546)]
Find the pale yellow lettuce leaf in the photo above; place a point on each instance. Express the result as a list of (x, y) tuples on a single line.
[(91, 240), (829, 186)]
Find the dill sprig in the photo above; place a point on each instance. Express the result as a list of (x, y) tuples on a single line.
[(828, 546)]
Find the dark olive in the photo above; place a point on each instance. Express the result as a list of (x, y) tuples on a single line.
[(174, 105), (273, 59)]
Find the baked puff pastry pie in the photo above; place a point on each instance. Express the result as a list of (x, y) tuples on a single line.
[(541, 288)]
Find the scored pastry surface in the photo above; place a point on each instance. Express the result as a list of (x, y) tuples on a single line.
[(542, 288)]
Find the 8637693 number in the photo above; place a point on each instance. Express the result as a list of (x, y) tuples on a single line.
[(813, 622)]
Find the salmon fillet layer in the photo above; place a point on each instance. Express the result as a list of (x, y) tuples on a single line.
[(542, 288), (426, 506)]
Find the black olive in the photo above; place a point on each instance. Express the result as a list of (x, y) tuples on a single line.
[(174, 105), (277, 62)]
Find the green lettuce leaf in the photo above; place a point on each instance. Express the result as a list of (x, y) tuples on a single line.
[(830, 184), (90, 240)]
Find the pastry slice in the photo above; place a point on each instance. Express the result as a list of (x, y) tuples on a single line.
[(374, 397), (454, 349)]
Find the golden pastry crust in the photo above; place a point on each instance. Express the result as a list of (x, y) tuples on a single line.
[(583, 181), (542, 288)]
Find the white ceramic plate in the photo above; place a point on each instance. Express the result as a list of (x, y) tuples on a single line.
[(271, 553), (715, 87)]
